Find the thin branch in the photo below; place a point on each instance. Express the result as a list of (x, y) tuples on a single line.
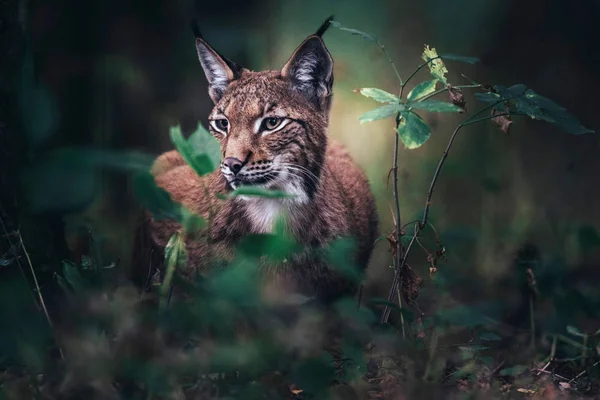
[(399, 248), (420, 67), (35, 281), (8, 235), (401, 313), (445, 89), (400, 265), (38, 290)]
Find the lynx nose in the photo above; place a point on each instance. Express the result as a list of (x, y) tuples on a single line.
[(233, 164)]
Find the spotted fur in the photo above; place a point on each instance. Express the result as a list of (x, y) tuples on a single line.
[(275, 137)]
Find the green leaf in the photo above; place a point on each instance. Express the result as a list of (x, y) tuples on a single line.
[(435, 106), (422, 89), (176, 257), (153, 198), (489, 337), (465, 59), (413, 130), (364, 35), (201, 162), (159, 203), (574, 331), (203, 142), (514, 371), (437, 68), (191, 222), (275, 246), (381, 112), (239, 282), (379, 95), (540, 107), (339, 254), (521, 100), (259, 192), (73, 277), (488, 97)]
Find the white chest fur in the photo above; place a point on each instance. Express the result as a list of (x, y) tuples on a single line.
[(262, 213)]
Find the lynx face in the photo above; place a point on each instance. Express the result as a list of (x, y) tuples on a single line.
[(271, 124)]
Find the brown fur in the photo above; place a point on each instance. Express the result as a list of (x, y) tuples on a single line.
[(334, 196)]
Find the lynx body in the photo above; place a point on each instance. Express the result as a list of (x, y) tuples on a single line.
[(272, 127)]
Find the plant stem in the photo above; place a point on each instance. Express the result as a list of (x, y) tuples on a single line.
[(532, 321), (420, 67), (400, 266), (390, 61), (398, 251), (401, 313), (38, 290), (445, 89)]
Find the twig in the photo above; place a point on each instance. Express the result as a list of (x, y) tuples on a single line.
[(8, 235), (445, 89), (399, 248), (38, 290), (399, 266), (584, 372), (401, 313)]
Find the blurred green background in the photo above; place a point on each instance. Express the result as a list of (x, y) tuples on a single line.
[(116, 75)]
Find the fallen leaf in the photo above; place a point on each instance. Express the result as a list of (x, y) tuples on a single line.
[(294, 390), (528, 391)]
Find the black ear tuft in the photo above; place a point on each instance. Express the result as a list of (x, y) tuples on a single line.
[(195, 28), (323, 28), (219, 70), (310, 71)]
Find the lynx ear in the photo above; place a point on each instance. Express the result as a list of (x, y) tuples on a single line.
[(310, 70), (219, 70)]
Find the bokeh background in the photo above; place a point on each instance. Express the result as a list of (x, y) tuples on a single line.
[(116, 74)]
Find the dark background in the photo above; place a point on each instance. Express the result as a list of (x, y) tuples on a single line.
[(118, 74)]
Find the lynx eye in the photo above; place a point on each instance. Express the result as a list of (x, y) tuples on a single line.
[(220, 125), (272, 123)]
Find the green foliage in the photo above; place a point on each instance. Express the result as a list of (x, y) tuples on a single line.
[(201, 151), (436, 66), (253, 191), (277, 247), (379, 95), (413, 130), (422, 89), (72, 280), (338, 254), (199, 333), (159, 203), (435, 106), (520, 100), (175, 258), (382, 112), (514, 371)]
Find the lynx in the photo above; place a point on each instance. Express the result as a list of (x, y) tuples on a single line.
[(272, 128)]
